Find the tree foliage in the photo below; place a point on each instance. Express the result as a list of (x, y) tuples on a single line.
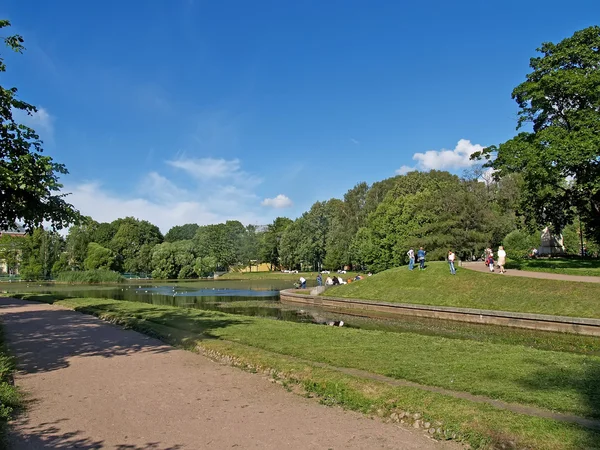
[(181, 232), (559, 159), (29, 181)]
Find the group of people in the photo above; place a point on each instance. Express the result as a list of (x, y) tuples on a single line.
[(489, 259), (411, 258), (490, 262)]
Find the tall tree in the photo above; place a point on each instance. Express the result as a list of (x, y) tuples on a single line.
[(270, 241), (133, 242), (29, 186), (559, 159), (181, 232)]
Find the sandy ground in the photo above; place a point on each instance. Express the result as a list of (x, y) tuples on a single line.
[(93, 385)]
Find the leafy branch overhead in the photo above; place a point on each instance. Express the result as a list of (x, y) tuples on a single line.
[(29, 181)]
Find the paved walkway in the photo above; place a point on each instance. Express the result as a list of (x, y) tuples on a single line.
[(481, 267), (95, 386)]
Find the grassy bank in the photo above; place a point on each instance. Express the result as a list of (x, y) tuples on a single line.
[(560, 381), (10, 399), (567, 266), (310, 276), (469, 289)]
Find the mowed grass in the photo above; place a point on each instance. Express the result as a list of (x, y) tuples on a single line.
[(469, 289), (567, 266), (560, 381)]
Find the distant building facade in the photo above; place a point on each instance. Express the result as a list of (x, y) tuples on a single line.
[(13, 232)]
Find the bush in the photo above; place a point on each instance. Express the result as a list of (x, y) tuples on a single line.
[(90, 276), (10, 398), (518, 244)]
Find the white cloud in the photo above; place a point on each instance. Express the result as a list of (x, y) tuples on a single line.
[(207, 168), (403, 170), (175, 201), (41, 121), (355, 141), (444, 159), (281, 201)]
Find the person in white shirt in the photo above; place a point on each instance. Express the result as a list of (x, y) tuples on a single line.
[(501, 259), (451, 258), (302, 282), (411, 259)]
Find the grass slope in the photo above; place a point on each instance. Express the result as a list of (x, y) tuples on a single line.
[(469, 289)]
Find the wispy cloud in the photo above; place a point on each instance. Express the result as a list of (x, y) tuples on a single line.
[(168, 201), (207, 168), (354, 141), (281, 201), (41, 121), (458, 158)]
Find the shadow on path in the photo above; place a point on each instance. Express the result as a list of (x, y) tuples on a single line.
[(48, 435), (44, 339)]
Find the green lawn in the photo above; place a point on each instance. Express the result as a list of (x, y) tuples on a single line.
[(560, 381), (567, 266), (556, 380), (469, 289)]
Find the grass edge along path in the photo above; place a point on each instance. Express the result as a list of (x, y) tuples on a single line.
[(435, 286), (481, 425), (10, 397)]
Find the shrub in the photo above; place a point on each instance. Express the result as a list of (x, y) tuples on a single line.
[(518, 244), (90, 276)]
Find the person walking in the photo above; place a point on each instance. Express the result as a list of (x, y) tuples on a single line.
[(421, 256), (411, 259), (501, 259), (451, 258), (319, 280)]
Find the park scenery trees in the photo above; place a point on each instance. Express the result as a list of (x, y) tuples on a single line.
[(547, 175), (29, 181), (559, 158)]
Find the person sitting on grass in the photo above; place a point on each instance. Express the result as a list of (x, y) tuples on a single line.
[(302, 283)]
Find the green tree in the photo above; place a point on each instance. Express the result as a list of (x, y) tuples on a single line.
[(29, 181), (270, 241), (77, 242), (133, 243), (204, 266), (181, 232), (40, 251), (10, 252), (559, 158), (98, 257)]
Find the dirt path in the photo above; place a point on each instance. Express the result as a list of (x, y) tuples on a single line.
[(480, 267), (93, 386)]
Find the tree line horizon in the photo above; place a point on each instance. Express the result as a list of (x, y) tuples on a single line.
[(548, 176)]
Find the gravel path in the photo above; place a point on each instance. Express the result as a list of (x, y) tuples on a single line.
[(93, 385), (480, 267)]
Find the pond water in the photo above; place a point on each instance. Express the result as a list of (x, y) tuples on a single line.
[(251, 298)]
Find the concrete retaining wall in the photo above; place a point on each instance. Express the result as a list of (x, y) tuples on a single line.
[(511, 319)]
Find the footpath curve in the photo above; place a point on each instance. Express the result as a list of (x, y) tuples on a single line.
[(93, 385), (478, 266)]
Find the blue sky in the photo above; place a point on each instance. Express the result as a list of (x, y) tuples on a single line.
[(195, 111)]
